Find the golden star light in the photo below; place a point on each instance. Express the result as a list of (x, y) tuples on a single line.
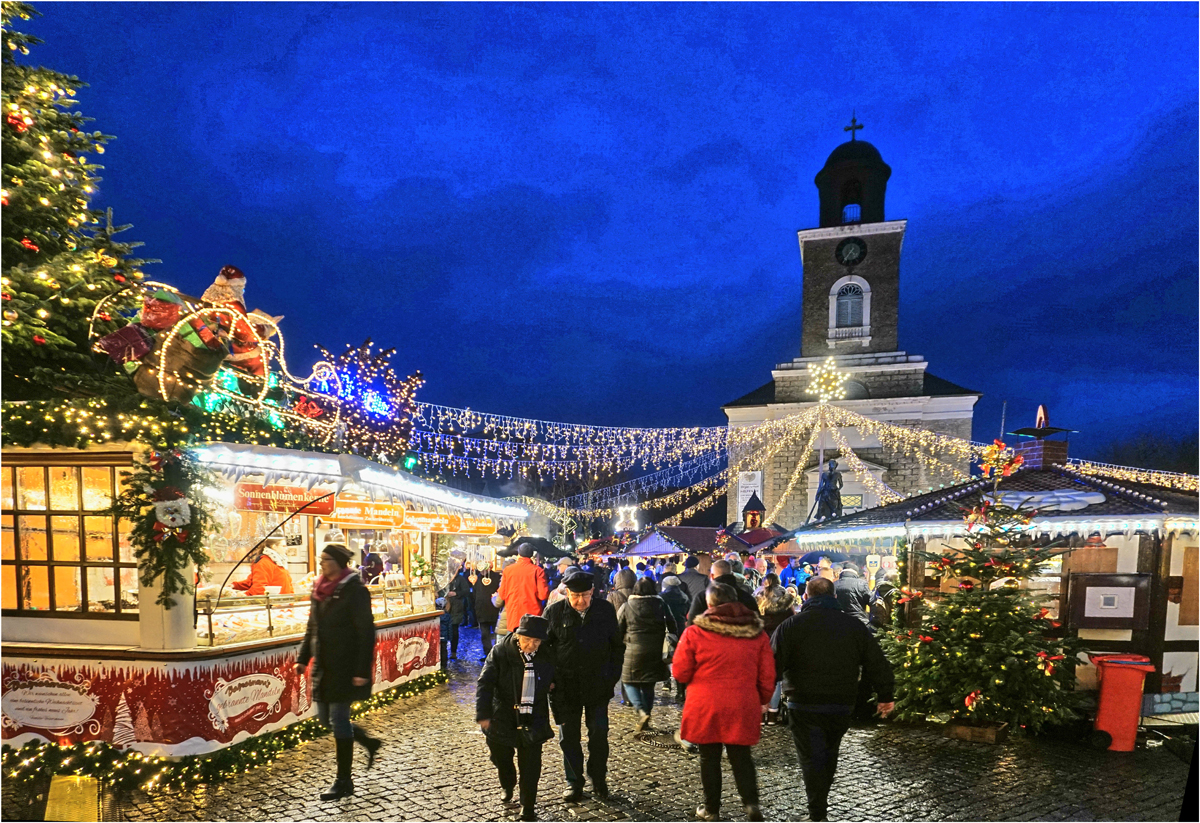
[(826, 382)]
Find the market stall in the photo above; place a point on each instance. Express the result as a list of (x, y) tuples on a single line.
[(90, 656)]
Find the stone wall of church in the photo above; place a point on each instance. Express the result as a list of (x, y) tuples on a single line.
[(905, 474), (881, 270), (879, 384)]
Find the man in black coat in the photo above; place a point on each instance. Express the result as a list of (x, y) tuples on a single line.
[(721, 572), (588, 651), (512, 709), (458, 595), (819, 654), (853, 596), (693, 581)]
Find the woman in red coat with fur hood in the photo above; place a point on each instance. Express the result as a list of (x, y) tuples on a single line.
[(725, 660)]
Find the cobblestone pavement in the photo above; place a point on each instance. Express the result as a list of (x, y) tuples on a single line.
[(435, 767)]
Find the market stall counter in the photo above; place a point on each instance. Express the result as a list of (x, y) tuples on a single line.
[(193, 701)]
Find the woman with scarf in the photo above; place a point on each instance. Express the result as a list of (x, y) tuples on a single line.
[(724, 658), (513, 710), (340, 642)]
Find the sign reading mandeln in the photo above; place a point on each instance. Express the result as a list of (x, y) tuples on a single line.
[(255, 696)]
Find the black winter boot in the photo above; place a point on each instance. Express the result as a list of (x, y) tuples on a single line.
[(371, 744), (343, 786)]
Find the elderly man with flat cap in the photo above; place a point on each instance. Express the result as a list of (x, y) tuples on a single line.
[(511, 709), (586, 641)]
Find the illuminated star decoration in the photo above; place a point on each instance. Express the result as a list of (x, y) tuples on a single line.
[(627, 519), (826, 382)]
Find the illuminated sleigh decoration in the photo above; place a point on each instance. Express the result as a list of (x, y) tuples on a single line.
[(169, 364)]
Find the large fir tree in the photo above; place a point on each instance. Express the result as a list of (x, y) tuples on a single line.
[(60, 255), (987, 651)]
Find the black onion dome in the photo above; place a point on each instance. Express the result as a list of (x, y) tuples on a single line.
[(855, 150)]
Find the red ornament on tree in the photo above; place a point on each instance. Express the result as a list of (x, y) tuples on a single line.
[(120, 278), (29, 244), (6, 295), (38, 339), (21, 124)]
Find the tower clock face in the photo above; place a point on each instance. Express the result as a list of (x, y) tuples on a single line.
[(851, 251)]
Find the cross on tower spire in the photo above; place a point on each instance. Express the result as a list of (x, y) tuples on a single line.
[(854, 124)]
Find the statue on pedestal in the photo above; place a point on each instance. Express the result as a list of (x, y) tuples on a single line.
[(828, 501)]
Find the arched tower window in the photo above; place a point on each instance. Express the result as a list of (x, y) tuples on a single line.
[(850, 312), (852, 213), (849, 306)]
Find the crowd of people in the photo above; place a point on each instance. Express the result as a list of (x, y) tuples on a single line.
[(744, 647)]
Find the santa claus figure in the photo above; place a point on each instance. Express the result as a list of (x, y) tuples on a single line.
[(270, 569), (228, 291), (172, 514)]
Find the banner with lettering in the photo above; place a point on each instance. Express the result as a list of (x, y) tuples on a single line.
[(186, 707)]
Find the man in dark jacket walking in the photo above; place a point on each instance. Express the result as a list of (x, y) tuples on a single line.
[(721, 572), (819, 654), (694, 582), (586, 642), (511, 709), (853, 596)]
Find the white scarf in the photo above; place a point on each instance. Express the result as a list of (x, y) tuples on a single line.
[(528, 686)]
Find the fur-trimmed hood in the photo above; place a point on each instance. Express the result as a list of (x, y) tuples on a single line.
[(731, 620)]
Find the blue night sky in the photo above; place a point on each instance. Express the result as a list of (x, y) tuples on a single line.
[(588, 212)]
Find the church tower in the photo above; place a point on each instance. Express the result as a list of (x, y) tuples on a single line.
[(850, 311)]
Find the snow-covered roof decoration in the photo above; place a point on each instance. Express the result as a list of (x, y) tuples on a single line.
[(235, 460)]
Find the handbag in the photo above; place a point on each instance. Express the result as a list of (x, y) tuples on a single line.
[(670, 641)]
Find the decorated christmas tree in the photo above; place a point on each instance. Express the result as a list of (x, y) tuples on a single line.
[(60, 258), (987, 650)]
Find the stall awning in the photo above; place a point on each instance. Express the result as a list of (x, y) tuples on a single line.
[(376, 482)]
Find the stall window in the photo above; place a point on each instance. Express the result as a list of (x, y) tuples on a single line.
[(60, 555)]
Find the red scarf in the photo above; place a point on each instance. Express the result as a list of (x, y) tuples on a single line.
[(324, 586)]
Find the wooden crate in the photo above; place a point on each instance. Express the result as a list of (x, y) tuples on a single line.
[(977, 733)]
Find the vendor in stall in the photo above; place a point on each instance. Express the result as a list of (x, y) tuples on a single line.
[(270, 569)]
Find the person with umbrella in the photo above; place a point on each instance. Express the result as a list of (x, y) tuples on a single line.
[(586, 642), (523, 587)]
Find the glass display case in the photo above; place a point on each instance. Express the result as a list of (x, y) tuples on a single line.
[(241, 619)]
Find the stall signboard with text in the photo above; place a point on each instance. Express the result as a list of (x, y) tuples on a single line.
[(356, 512), (253, 497)]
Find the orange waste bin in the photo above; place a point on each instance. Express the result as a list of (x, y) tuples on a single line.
[(1121, 679)]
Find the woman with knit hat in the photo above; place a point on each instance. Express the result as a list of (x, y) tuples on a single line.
[(340, 642)]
